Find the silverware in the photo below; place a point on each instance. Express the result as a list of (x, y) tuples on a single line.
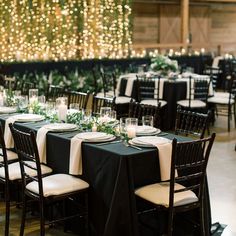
[(117, 141), (132, 146)]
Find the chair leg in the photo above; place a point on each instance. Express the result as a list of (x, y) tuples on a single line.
[(170, 223), (42, 220), (22, 227), (202, 225), (7, 216)]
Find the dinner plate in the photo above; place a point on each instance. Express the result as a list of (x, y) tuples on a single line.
[(95, 137), (147, 130), (7, 110), (60, 127), (149, 141), (28, 117)]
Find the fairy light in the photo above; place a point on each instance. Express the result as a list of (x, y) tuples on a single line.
[(63, 30)]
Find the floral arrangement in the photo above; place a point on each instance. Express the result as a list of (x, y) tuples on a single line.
[(164, 65)]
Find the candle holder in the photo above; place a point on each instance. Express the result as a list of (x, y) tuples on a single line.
[(105, 114), (131, 126), (33, 96), (61, 106)]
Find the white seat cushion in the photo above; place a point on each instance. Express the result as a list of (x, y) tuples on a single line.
[(159, 194), (122, 100), (218, 99), (221, 94), (153, 102), (194, 103), (58, 184), (15, 172), (10, 155)]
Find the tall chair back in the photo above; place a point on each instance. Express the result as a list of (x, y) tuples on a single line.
[(79, 98), (191, 123), (99, 102), (137, 110), (148, 88)]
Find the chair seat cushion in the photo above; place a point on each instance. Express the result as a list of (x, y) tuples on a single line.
[(10, 155), (122, 100), (153, 102), (15, 172), (218, 99), (194, 103), (58, 184), (159, 194)]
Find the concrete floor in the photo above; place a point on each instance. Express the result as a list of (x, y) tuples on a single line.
[(221, 179), (222, 176)]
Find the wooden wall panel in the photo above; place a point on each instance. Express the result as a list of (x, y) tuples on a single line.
[(145, 23), (170, 24), (223, 28), (200, 24)]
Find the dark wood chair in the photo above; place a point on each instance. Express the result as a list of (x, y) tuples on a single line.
[(191, 123), (53, 92), (25, 86), (45, 190), (99, 102), (108, 83), (150, 91), (197, 94), (223, 103), (185, 190), (137, 110), (10, 174), (79, 98)]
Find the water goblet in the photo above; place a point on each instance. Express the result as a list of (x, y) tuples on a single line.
[(147, 121)]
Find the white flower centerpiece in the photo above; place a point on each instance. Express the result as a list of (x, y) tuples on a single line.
[(164, 65)]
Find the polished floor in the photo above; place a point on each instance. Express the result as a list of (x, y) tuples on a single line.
[(221, 176)]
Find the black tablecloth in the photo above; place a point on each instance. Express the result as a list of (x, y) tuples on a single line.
[(113, 172)]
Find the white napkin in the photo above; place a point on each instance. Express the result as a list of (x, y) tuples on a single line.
[(216, 60), (7, 132), (164, 153), (161, 88), (129, 86), (75, 166), (41, 143)]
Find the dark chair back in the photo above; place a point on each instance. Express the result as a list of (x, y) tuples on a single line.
[(99, 102), (137, 110), (191, 123), (25, 86), (214, 74), (148, 88), (108, 82), (54, 91), (27, 150), (198, 89), (79, 98), (189, 160)]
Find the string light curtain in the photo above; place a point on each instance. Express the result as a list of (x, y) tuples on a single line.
[(64, 29)]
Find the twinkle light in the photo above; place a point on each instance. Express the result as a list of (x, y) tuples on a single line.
[(63, 30)]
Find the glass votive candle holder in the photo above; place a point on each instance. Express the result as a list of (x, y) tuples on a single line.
[(61, 106), (147, 121), (33, 96), (131, 126), (105, 111)]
